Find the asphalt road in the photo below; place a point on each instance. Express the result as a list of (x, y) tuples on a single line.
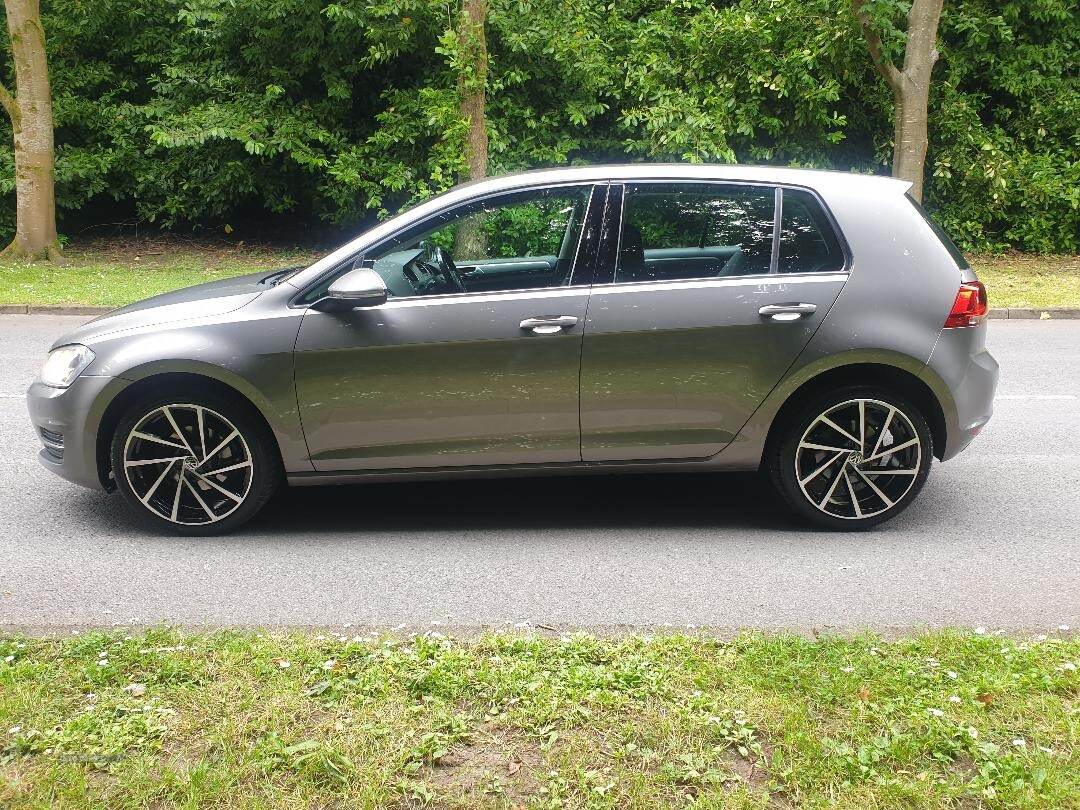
[(994, 540)]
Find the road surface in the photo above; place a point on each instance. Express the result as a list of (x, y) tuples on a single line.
[(993, 541)]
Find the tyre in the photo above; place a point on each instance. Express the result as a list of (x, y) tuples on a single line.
[(852, 458), (194, 463)]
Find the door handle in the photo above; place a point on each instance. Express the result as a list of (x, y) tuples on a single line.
[(786, 312), (548, 326)]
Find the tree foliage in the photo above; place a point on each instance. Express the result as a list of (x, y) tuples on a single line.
[(202, 111)]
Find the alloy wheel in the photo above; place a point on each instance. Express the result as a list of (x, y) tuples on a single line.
[(858, 459), (188, 464)]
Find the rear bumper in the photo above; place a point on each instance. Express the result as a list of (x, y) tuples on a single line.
[(964, 376), (67, 422)]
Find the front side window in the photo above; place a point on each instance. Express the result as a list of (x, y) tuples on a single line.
[(807, 241), (685, 230), (524, 240)]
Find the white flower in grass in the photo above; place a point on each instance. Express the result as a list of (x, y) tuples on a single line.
[(1019, 742), (952, 674), (980, 631), (1068, 666), (954, 698), (8, 659), (847, 669), (936, 712), (329, 664), (14, 730)]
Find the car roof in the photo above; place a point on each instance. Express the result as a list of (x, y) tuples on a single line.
[(825, 182), (812, 178)]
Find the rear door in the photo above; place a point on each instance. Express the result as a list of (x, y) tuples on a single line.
[(677, 355)]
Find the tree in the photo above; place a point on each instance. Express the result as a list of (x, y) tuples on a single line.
[(30, 111), (472, 83), (910, 87), (472, 88)]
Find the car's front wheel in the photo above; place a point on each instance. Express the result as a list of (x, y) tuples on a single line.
[(194, 464), (852, 458)]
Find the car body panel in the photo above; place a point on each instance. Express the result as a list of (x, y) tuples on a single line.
[(245, 342), (209, 300), (75, 413), (441, 381), (674, 370)]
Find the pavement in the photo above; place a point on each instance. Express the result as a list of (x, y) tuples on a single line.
[(993, 541)]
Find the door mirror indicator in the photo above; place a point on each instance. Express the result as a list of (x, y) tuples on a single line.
[(361, 287)]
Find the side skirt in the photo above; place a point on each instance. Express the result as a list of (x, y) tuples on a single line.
[(303, 479)]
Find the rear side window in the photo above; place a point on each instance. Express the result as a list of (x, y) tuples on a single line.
[(808, 243), (943, 237), (685, 230)]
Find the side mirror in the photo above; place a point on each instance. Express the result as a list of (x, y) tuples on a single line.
[(360, 287)]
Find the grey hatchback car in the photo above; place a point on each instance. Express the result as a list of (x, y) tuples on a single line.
[(644, 318)]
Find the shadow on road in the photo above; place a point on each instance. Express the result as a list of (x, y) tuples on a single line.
[(733, 500)]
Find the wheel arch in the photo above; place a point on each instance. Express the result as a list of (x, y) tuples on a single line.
[(158, 381), (894, 378)]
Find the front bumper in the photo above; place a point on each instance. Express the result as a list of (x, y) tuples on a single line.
[(67, 421), (964, 375)]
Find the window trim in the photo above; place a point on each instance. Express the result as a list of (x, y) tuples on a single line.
[(596, 188), (773, 273)]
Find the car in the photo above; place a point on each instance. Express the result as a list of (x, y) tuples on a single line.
[(814, 325)]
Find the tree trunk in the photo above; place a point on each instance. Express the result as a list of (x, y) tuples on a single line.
[(32, 127), (910, 87), (470, 240)]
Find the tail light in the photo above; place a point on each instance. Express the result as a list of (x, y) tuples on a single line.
[(970, 306)]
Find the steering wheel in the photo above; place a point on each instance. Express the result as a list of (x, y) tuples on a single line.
[(434, 256)]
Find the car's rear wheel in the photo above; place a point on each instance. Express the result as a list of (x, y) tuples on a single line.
[(194, 464), (852, 458)]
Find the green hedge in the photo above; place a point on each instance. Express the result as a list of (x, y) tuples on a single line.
[(203, 111)]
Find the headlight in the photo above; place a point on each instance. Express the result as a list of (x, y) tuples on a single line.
[(63, 365)]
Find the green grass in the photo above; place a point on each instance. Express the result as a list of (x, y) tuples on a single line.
[(233, 719), (113, 273), (1018, 280)]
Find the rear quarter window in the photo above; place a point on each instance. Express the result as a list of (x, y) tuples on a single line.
[(808, 243)]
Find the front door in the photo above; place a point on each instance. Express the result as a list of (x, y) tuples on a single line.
[(715, 290), (464, 365)]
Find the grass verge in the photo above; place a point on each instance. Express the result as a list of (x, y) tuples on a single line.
[(235, 719), (117, 272), (1019, 280), (114, 273)]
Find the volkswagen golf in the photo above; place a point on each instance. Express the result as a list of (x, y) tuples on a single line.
[(609, 319)]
